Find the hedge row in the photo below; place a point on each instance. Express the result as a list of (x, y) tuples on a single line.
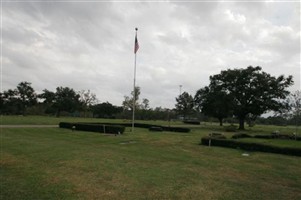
[(194, 122), (290, 137), (148, 126), (100, 128), (251, 146), (139, 125)]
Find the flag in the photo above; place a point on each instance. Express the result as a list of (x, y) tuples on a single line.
[(136, 45)]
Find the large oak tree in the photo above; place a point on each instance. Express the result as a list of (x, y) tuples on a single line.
[(251, 91)]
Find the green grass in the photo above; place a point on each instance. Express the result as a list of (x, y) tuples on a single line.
[(53, 163)]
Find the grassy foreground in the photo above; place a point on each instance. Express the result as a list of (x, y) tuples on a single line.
[(53, 163)]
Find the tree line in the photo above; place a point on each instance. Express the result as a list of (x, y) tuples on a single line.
[(66, 101), (235, 94)]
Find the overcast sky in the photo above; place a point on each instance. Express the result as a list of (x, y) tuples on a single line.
[(90, 45)]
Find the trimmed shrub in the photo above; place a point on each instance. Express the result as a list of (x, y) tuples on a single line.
[(176, 129), (251, 146), (195, 122), (139, 125), (100, 128), (240, 135), (156, 128), (66, 125)]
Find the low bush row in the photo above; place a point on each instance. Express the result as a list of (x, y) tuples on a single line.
[(148, 126), (194, 122), (272, 136), (139, 125), (155, 128), (251, 146), (100, 128)]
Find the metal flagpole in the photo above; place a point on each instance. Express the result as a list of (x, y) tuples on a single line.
[(134, 87)]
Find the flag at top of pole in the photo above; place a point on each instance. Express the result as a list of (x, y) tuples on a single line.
[(136, 43)]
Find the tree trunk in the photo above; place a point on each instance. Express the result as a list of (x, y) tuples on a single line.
[(220, 121), (241, 123)]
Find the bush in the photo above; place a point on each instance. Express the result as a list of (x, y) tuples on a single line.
[(66, 125), (176, 129), (240, 135), (230, 128), (139, 125), (195, 122), (100, 128), (251, 146), (156, 128)]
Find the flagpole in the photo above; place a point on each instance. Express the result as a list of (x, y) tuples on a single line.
[(134, 87)]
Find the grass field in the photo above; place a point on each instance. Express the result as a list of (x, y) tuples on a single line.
[(53, 163)]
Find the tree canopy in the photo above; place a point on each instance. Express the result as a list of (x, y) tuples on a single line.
[(251, 91), (213, 103), (185, 104)]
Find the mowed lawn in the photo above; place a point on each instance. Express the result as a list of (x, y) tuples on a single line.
[(54, 163)]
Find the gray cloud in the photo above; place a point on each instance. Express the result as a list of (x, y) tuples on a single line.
[(90, 45)]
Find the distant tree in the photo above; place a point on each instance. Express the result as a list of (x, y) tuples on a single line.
[(87, 99), (185, 104), (10, 104), (66, 99), (293, 112), (129, 101), (2, 102), (213, 103), (26, 96), (48, 99), (105, 110), (145, 104), (252, 91)]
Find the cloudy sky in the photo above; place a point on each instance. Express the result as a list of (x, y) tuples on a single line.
[(89, 45)]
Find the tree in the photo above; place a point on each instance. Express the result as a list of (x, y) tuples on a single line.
[(10, 104), (66, 99), (87, 99), (105, 110), (129, 101), (49, 99), (184, 104), (213, 103), (293, 113), (26, 95), (252, 91), (145, 104)]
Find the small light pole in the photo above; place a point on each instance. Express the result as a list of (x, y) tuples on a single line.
[(180, 89)]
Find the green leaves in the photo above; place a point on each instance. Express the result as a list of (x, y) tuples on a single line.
[(244, 91)]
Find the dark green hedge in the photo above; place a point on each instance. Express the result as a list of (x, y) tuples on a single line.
[(66, 125), (176, 129), (100, 128), (241, 135), (195, 122), (138, 125), (148, 126), (251, 146), (156, 128)]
